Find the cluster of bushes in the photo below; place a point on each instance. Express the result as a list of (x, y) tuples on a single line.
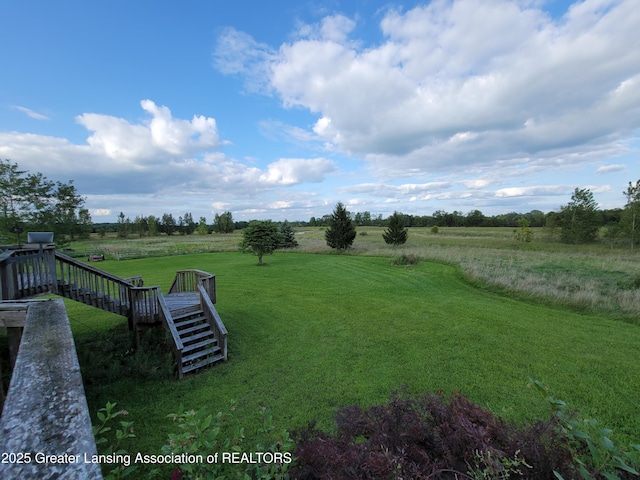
[(433, 437), (429, 436)]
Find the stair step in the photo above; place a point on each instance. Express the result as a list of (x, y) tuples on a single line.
[(188, 322), (195, 328), (196, 336), (202, 363), (184, 313), (196, 346)]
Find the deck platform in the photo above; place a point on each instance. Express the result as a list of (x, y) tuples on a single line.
[(182, 302)]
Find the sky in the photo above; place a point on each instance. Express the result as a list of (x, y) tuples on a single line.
[(279, 110)]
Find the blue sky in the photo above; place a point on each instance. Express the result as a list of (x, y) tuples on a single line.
[(280, 109)]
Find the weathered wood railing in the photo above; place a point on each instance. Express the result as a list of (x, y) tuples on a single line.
[(214, 320), (144, 304), (188, 281), (45, 427), (84, 283), (25, 272), (167, 320)]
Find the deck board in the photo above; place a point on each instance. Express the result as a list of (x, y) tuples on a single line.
[(182, 301)]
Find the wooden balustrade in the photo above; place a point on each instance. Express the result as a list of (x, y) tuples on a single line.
[(25, 272), (84, 283), (189, 280), (144, 304), (214, 320), (167, 321)]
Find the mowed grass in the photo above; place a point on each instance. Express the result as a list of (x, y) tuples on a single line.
[(309, 334)]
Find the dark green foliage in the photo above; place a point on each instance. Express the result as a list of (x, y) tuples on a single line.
[(341, 232), (396, 233), (407, 260), (288, 235), (31, 202), (631, 214), (223, 223), (260, 238), (427, 437), (580, 219)]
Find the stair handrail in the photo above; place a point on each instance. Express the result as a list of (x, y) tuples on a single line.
[(188, 281), (101, 273), (214, 320), (167, 321), (116, 288)]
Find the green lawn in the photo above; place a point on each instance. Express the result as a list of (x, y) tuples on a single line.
[(311, 333)]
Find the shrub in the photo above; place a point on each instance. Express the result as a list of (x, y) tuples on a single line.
[(427, 437), (406, 260), (435, 229)]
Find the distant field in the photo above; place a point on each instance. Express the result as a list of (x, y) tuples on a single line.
[(311, 333), (592, 277)]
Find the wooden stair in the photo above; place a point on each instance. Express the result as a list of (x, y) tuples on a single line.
[(200, 345)]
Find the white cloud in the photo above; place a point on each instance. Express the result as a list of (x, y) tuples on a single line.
[(31, 113), (610, 169), (100, 212), (533, 191), (445, 90), (291, 171), (122, 141)]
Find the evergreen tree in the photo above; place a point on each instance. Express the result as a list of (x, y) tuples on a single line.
[(288, 235), (580, 220), (341, 232), (260, 238), (631, 214), (396, 233)]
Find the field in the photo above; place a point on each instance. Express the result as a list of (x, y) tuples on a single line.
[(313, 331)]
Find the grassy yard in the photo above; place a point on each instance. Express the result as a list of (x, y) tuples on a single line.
[(311, 333)]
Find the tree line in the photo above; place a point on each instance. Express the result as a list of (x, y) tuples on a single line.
[(29, 201)]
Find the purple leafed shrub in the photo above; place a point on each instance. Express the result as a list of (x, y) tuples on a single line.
[(429, 437)]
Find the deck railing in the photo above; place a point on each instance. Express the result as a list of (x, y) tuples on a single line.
[(167, 320), (189, 280), (84, 283), (25, 272), (45, 413), (144, 304), (214, 320)]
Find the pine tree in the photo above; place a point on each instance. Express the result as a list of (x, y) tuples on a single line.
[(260, 238), (288, 235), (396, 233), (341, 232), (580, 218)]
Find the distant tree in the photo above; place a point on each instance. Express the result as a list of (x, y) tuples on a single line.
[(288, 235), (474, 218), (341, 232), (524, 233), (396, 233), (611, 232), (189, 225), (631, 215), (168, 224), (580, 220), (152, 223), (122, 227), (141, 224), (202, 226), (260, 238), (223, 223)]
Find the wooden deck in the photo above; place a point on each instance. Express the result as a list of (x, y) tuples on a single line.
[(182, 302)]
